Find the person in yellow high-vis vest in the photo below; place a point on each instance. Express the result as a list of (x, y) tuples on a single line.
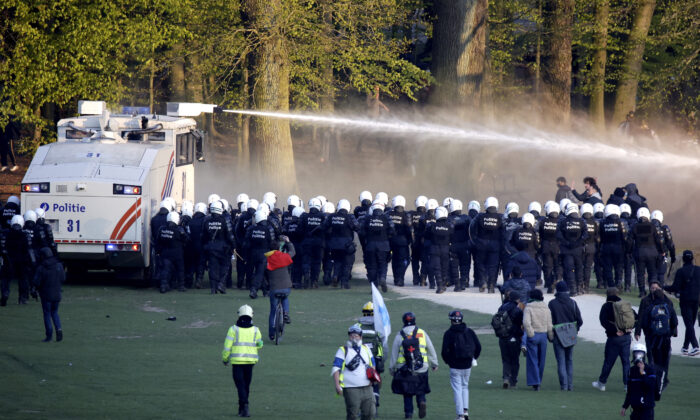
[(241, 350)]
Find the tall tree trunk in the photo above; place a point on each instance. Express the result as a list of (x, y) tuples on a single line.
[(625, 98), (177, 76), (329, 140), (538, 52), (558, 16), (271, 141), (600, 45), (459, 52), (244, 122), (210, 89), (195, 82)]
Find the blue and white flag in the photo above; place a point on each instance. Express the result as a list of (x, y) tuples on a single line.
[(382, 323)]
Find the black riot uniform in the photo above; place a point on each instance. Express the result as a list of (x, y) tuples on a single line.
[(572, 233), (259, 239), (341, 227), (439, 232), (8, 212), (460, 253), (527, 237), (613, 246), (195, 248), (550, 250), (486, 231), (417, 243), (400, 243), (170, 248), (425, 268), (217, 242), (310, 225), (668, 249), (646, 251), (159, 220), (17, 251), (44, 232), (242, 267), (377, 229), (590, 249), (291, 230)]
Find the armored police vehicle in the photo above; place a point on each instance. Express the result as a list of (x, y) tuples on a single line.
[(104, 178)]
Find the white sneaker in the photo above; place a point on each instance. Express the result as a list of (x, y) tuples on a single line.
[(694, 352), (598, 385), (14, 168), (3, 169), (684, 350)]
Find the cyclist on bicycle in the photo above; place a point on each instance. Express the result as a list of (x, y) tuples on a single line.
[(278, 274)]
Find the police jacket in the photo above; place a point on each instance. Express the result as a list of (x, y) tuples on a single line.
[(460, 235), (686, 283), (613, 233), (510, 225), (641, 388), (30, 230), (439, 233), (291, 229), (647, 242), (593, 229), (260, 236), (19, 246), (49, 277), (527, 237), (572, 233), (548, 234), (44, 235), (416, 217), (664, 234), (195, 226), (377, 229), (159, 220), (10, 210), (426, 217), (403, 227), (242, 224), (564, 310), (361, 211), (486, 231), (215, 234), (449, 345), (170, 241), (645, 308), (310, 225), (341, 227), (607, 317)]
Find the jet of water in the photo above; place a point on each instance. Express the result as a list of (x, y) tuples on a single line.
[(533, 140)]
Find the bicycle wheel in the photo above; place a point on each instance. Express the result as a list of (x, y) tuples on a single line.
[(279, 323)]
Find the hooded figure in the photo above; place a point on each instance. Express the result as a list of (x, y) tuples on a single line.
[(48, 278), (634, 200)]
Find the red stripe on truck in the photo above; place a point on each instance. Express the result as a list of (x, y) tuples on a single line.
[(126, 215), (129, 223)]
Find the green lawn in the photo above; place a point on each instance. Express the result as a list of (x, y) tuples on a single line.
[(122, 359)]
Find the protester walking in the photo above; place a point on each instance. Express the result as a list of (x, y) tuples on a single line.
[(350, 376), (566, 321), (686, 285), (460, 349), (48, 278), (509, 330), (537, 321), (617, 318)]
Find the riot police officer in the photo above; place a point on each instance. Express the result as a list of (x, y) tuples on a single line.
[(291, 230), (341, 227), (170, 246), (668, 248), (473, 210), (17, 253), (217, 240), (525, 237), (647, 248), (486, 231), (425, 268), (439, 233), (460, 254), (159, 220), (417, 243), (401, 241), (572, 233), (194, 245), (43, 232), (629, 222), (613, 246), (259, 239), (11, 209), (590, 248), (377, 229), (310, 225), (244, 221), (550, 246), (328, 263)]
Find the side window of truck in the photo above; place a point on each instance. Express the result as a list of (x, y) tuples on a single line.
[(184, 143)]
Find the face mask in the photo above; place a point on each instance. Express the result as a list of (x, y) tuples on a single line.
[(659, 294), (357, 341)]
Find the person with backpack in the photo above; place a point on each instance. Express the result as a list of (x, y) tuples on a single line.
[(350, 376), (537, 321), (412, 353), (686, 285), (460, 347), (567, 321), (517, 283), (659, 322), (507, 323), (643, 391), (617, 318), (373, 340)]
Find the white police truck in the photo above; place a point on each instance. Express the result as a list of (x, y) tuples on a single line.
[(104, 178)]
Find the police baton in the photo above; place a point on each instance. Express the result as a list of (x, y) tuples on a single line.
[(238, 255), (670, 267)]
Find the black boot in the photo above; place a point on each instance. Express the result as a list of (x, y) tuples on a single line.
[(244, 411), (3, 301), (47, 339), (59, 335)]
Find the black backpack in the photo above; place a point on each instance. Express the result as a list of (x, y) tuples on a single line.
[(502, 324), (463, 346), (411, 351), (660, 319)]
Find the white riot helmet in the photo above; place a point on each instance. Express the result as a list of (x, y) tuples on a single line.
[(216, 208), (491, 202), (512, 208), (294, 200), (200, 208), (639, 350), (625, 208), (187, 204), (17, 220), (365, 195), (40, 213), (13, 199), (535, 206), (253, 204), (611, 209), (322, 199), (655, 215), (552, 208), (243, 207), (270, 203), (260, 215), (377, 205), (529, 218), (174, 217), (446, 202), (270, 197), (563, 203), (571, 209), (440, 213), (315, 203), (245, 310), (547, 204), (264, 207), (455, 205), (398, 201), (328, 208), (421, 201), (432, 204), (297, 212), (212, 198), (225, 205), (166, 204), (343, 205), (29, 216), (187, 211), (382, 197), (643, 212), (242, 198), (474, 205), (586, 208), (599, 208)]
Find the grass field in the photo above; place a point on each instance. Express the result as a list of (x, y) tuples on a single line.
[(121, 359)]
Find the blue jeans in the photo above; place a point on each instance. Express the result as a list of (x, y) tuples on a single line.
[(459, 380), (50, 309), (408, 402), (565, 365), (273, 307), (536, 356), (618, 346)]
